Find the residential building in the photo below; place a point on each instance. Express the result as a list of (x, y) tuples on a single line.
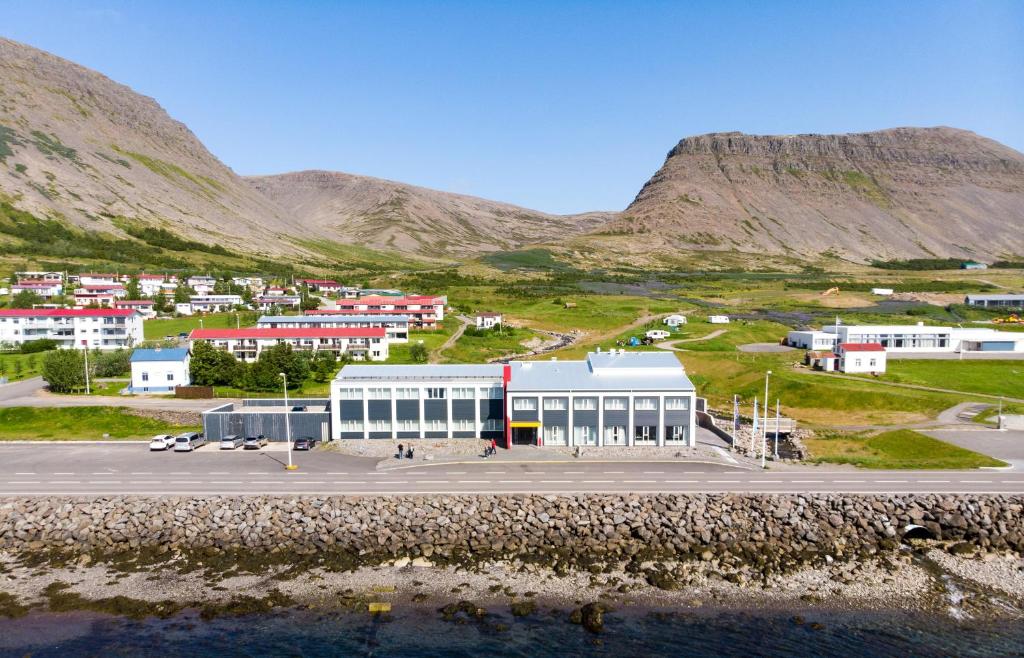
[(320, 285), (152, 284), (674, 320), (144, 307), (115, 290), (396, 327), (423, 310), (268, 302), (254, 283), (487, 320), (85, 298), (213, 303), (609, 399), (882, 292), (48, 277), (910, 339), (1014, 301), (45, 289), (361, 344), (93, 279), (159, 370), (102, 328), (202, 284), (273, 291), (861, 357)]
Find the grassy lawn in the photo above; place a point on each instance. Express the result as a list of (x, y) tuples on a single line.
[(989, 377), (158, 328), (80, 423), (21, 366), (901, 449), (736, 333), (479, 348)]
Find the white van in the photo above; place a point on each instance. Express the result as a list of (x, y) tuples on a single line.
[(188, 441), (657, 334)]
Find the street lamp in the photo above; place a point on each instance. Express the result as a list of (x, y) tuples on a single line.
[(287, 424), (764, 429)]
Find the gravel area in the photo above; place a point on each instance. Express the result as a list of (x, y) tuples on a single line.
[(1001, 572)]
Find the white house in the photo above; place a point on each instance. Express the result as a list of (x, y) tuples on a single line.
[(45, 289), (861, 357), (246, 344), (144, 307), (675, 320), (151, 284), (159, 370), (718, 319), (92, 279), (254, 283), (95, 328), (487, 320), (883, 292), (214, 303), (202, 284), (267, 302)]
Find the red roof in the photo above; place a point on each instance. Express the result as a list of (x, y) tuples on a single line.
[(300, 332), (320, 282), (65, 312), (134, 302), (861, 347), (103, 286), (98, 276), (151, 277), (391, 301), (356, 311), (37, 284)]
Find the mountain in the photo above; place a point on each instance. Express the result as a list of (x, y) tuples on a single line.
[(899, 193), (77, 146), (385, 214)]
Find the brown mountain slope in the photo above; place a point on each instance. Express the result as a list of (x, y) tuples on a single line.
[(905, 192), (385, 214), (76, 145)]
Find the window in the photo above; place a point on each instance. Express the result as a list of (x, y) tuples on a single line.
[(378, 393), (856, 362), (493, 425), (524, 404), (436, 426), (463, 425), (645, 434), (462, 393), (145, 376), (873, 362), (615, 435), (584, 404), (492, 393), (351, 426), (381, 425), (677, 404), (410, 425), (170, 376), (584, 435), (407, 394), (615, 404), (435, 393), (645, 404), (554, 435), (675, 434), (350, 394), (555, 404)]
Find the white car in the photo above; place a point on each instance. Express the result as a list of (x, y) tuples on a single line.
[(161, 442)]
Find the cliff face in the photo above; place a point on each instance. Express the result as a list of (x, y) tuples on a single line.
[(905, 192), (385, 214), (77, 146)]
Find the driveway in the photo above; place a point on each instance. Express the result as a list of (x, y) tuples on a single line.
[(32, 393), (1007, 445)]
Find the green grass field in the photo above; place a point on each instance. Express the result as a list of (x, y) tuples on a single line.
[(487, 345), (16, 366), (79, 424), (158, 328), (987, 377), (901, 449)]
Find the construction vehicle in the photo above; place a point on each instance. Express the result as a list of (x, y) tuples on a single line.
[(1012, 319), (834, 290)]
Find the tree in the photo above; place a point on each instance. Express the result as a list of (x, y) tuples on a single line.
[(64, 370), (264, 375), (247, 296), (133, 290), (212, 367), (25, 299), (112, 364), (306, 301), (324, 366), (38, 345), (418, 353), (221, 287), (182, 293), (160, 304)]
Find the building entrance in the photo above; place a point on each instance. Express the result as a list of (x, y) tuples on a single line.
[(524, 436)]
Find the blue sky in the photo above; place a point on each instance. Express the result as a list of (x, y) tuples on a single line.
[(562, 107)]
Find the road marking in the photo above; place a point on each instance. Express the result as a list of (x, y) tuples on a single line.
[(573, 472), (976, 481), (455, 472), (933, 481), (681, 481), (848, 481), (511, 481), (329, 473), (555, 481), (532, 473), (24, 473), (474, 481), (638, 481), (225, 482), (495, 472), (806, 481), (723, 481), (353, 482), (394, 482), (65, 482), (694, 472), (23, 482), (614, 472), (102, 473), (654, 472), (431, 481), (598, 481), (180, 482), (891, 481)]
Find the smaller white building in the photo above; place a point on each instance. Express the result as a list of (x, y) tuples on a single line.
[(213, 303), (675, 320), (861, 357), (487, 320), (882, 292), (718, 319), (159, 370), (657, 334)]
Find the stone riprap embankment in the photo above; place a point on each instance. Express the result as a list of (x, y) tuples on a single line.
[(769, 531)]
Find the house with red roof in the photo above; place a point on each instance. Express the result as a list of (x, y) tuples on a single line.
[(861, 357), (95, 328), (360, 343)]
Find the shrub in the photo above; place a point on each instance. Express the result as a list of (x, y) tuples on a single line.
[(112, 364), (64, 370), (418, 353), (40, 345)]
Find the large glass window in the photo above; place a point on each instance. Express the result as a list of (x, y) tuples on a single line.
[(407, 394), (524, 404), (350, 394), (462, 393), (437, 425), (584, 435), (555, 404), (615, 435), (378, 393), (584, 404), (615, 404), (554, 435), (409, 425), (494, 425), (676, 434), (435, 393), (463, 425), (382, 425), (677, 404), (492, 393), (645, 404), (645, 434), (351, 426)]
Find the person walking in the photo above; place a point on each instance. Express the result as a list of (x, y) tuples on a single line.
[(494, 446), (399, 451)]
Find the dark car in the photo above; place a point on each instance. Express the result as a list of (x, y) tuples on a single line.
[(254, 442), (183, 334), (305, 443), (298, 407)]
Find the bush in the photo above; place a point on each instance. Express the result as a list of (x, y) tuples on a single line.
[(264, 375), (112, 364), (64, 370), (41, 345), (212, 367), (418, 353)]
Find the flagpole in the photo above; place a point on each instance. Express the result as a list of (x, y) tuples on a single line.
[(777, 428), (753, 429)]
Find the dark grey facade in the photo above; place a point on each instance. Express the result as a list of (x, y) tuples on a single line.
[(267, 417)]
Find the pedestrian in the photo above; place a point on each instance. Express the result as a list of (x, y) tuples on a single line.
[(399, 451), (494, 446), (408, 453)]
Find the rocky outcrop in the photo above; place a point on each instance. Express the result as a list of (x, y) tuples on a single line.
[(770, 532), (905, 192)]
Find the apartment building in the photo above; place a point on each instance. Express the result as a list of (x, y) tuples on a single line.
[(208, 304), (101, 328), (396, 327), (362, 344), (424, 311), (43, 288)]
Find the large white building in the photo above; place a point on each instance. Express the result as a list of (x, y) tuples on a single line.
[(396, 327), (362, 344), (99, 328), (910, 339), (159, 370), (208, 304), (996, 301)]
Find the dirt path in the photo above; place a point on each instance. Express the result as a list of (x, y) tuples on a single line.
[(670, 344), (435, 356)]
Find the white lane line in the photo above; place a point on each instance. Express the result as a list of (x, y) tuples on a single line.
[(598, 481), (102, 473), (654, 472), (225, 482), (681, 481), (65, 481), (533, 473), (431, 481), (474, 481), (511, 481), (752, 481), (848, 481), (931, 481), (144, 482), (638, 481), (23, 482), (180, 482), (495, 472), (264, 481), (976, 481), (352, 482), (723, 481), (329, 473), (455, 472), (573, 472), (25, 473), (393, 482), (806, 481), (693, 472), (614, 472), (555, 481)]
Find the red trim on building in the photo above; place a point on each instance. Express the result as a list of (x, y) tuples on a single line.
[(296, 332), (66, 312), (506, 377), (861, 347)]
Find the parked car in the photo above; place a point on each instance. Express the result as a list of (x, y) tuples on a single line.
[(298, 407), (254, 442), (161, 442), (230, 442), (188, 441), (183, 334), (304, 443)]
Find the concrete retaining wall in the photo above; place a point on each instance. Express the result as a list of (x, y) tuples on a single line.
[(753, 526)]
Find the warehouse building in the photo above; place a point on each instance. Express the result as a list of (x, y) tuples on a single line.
[(996, 301)]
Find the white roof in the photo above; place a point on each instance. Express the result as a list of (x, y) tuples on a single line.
[(603, 371), (361, 373)]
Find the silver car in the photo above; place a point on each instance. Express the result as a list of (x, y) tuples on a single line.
[(188, 442), (230, 442)]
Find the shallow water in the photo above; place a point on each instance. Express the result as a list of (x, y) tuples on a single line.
[(420, 632)]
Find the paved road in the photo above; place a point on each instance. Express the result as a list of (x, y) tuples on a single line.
[(1008, 445), (31, 393), (33, 469)]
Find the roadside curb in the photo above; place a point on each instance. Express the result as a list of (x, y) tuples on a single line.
[(73, 443), (568, 461)]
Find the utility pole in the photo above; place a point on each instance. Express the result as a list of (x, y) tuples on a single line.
[(287, 424), (777, 420), (86, 350)]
